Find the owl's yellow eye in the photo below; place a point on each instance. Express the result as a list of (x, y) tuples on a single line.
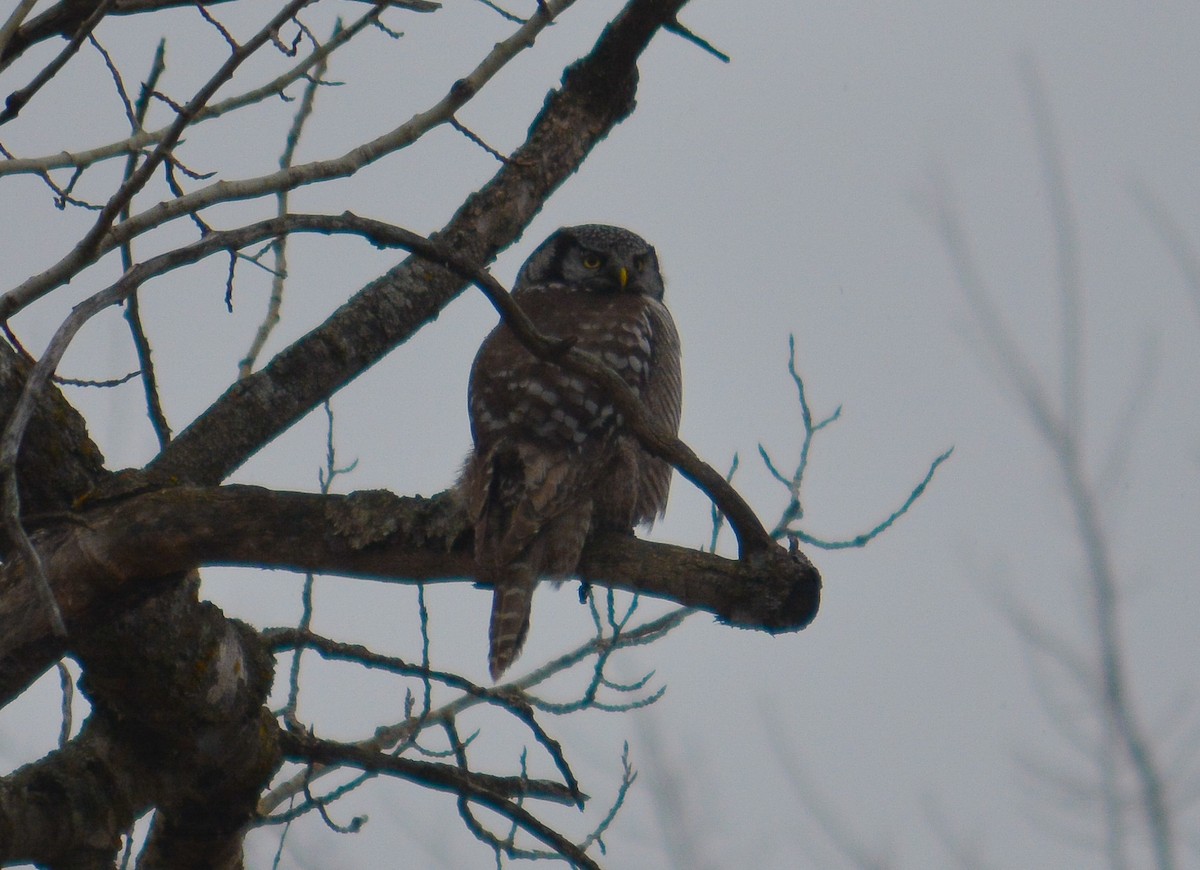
[(591, 261)]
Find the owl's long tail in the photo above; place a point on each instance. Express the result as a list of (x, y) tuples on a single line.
[(511, 602)]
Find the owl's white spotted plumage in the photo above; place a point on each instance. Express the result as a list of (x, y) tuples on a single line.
[(552, 460)]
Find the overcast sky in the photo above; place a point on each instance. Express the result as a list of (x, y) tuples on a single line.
[(789, 192)]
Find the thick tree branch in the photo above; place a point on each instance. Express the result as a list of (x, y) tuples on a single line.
[(70, 808), (82, 29), (179, 727), (108, 557), (58, 462), (186, 684), (190, 700)]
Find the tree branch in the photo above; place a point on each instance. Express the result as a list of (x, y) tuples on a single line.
[(96, 244), (65, 17), (133, 144), (111, 555), (442, 777), (478, 788)]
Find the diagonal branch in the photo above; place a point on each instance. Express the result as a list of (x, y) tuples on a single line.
[(301, 747), (597, 93), (752, 536), (17, 100), (480, 788)]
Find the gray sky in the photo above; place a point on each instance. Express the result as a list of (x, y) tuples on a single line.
[(788, 192)]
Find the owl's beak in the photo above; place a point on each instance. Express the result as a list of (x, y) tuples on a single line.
[(623, 277)]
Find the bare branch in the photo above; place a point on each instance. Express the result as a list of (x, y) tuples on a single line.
[(279, 244), (793, 511), (442, 777), (141, 344), (17, 100), (1175, 239), (597, 93), (512, 702), (386, 737), (1066, 247), (681, 31), (104, 238), (65, 17), (138, 141), (20, 11), (1063, 436)]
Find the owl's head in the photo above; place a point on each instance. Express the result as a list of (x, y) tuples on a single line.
[(597, 258)]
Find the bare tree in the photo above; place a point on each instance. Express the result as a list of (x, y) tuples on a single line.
[(101, 566), (1129, 793), (1125, 792)]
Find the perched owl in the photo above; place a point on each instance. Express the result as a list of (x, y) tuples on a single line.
[(552, 460)]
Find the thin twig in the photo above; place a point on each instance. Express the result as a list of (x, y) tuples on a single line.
[(88, 382), (793, 511), (699, 41), (391, 735), (476, 139), (1066, 249), (509, 701), (133, 316), (279, 244)]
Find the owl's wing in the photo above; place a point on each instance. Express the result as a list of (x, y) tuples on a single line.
[(663, 398)]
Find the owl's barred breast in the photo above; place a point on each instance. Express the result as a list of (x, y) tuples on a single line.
[(516, 393)]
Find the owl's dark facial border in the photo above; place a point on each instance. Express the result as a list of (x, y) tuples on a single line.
[(563, 241)]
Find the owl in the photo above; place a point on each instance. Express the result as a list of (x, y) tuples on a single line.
[(552, 459)]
